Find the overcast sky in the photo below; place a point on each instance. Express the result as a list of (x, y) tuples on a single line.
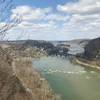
[(56, 19)]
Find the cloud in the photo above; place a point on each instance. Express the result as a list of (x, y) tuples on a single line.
[(56, 17), (37, 18), (2, 24), (79, 19), (84, 21), (81, 7), (34, 19), (29, 13), (35, 26)]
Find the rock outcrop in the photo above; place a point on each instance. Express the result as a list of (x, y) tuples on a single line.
[(19, 81)]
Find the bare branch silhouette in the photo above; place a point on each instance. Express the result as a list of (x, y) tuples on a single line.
[(5, 22)]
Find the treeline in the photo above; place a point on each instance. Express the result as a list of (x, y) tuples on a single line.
[(92, 49), (46, 46)]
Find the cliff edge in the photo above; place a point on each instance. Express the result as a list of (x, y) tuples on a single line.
[(19, 81)]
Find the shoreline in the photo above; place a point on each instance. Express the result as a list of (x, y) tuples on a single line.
[(43, 86), (88, 64), (20, 81)]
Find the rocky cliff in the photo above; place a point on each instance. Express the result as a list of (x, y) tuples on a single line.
[(19, 81)]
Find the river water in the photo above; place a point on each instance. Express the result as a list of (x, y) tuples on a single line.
[(72, 82)]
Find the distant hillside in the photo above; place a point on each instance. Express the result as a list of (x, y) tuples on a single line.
[(50, 47), (23, 44), (92, 49), (38, 44)]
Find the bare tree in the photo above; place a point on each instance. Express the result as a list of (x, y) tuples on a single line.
[(5, 22)]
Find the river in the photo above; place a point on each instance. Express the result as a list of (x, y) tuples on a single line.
[(72, 82)]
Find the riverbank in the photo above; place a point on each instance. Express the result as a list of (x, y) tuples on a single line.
[(32, 80), (19, 81), (86, 63)]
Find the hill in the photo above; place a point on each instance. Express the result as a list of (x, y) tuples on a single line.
[(92, 49)]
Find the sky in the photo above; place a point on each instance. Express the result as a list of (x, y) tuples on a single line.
[(55, 19)]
